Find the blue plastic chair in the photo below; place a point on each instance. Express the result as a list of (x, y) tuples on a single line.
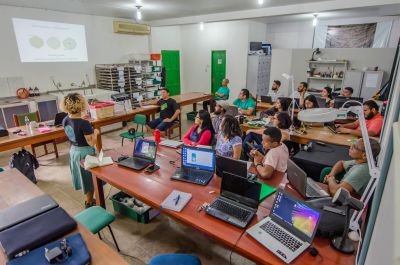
[(174, 259)]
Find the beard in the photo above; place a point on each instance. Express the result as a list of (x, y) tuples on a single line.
[(370, 116), (217, 112), (274, 88)]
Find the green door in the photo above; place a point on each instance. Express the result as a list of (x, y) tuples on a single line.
[(170, 60), (218, 69)]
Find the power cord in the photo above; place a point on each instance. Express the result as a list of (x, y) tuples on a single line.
[(314, 252)]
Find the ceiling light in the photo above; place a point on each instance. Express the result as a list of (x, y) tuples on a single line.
[(138, 2), (315, 20), (201, 25), (138, 13), (260, 2)]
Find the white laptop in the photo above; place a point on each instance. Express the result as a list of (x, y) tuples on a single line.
[(289, 229), (171, 143)]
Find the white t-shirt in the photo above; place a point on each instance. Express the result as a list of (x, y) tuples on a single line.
[(275, 95), (296, 94), (277, 158)]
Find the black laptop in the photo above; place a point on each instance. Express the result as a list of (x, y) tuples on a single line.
[(266, 99), (233, 166), (26, 210), (144, 154), (59, 118), (198, 165), (238, 202)]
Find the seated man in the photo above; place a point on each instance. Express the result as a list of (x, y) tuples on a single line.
[(347, 92), (169, 112), (219, 113), (373, 120), (355, 172), (221, 94), (274, 93), (246, 105), (301, 93), (276, 158)]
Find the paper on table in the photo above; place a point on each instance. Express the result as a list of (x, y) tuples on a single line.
[(175, 203), (44, 129), (149, 106), (92, 161)]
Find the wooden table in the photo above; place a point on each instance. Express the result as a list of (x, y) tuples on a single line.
[(264, 106), (154, 188), (16, 188), (321, 134), (14, 141)]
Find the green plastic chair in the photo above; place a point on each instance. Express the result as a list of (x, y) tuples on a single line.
[(95, 219), (139, 119)]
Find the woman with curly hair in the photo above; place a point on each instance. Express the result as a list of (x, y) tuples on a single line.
[(229, 141), (83, 138)]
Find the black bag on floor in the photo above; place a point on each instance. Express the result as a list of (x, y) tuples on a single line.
[(26, 163)]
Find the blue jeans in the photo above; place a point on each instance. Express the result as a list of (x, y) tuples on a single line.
[(250, 138), (159, 124)]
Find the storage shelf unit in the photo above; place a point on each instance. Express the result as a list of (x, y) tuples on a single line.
[(330, 68), (136, 78)]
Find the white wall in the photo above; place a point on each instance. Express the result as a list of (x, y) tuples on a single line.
[(294, 61), (195, 49), (299, 34), (103, 46)]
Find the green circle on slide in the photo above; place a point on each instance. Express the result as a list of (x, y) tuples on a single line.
[(36, 42), (53, 43), (69, 43)]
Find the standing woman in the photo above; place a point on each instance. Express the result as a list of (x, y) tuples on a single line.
[(229, 141), (202, 132), (83, 138)]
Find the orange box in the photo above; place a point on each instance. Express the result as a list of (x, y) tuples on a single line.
[(155, 56)]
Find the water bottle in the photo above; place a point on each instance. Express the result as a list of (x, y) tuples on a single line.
[(157, 136), (27, 122)]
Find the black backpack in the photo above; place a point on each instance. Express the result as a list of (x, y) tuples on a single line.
[(26, 163)]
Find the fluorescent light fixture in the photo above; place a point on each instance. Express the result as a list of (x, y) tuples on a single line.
[(260, 2), (315, 20), (138, 2), (138, 13), (201, 25)]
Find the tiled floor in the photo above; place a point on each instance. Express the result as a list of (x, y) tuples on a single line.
[(142, 241)]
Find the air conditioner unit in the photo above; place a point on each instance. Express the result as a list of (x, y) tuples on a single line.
[(131, 28)]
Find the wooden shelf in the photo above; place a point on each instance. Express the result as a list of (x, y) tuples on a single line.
[(328, 62), (325, 78)]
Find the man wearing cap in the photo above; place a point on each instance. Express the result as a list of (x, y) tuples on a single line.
[(220, 111)]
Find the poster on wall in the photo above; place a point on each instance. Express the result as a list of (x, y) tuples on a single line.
[(350, 36), (45, 41)]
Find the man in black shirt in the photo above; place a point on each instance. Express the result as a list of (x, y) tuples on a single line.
[(169, 112)]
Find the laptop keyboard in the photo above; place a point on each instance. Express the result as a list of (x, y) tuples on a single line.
[(204, 176), (313, 189), (281, 235), (231, 209)]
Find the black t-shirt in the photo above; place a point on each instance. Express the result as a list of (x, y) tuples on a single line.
[(76, 129), (168, 107)]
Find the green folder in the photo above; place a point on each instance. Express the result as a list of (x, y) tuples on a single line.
[(266, 190)]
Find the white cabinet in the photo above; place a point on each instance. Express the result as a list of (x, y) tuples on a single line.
[(258, 74)]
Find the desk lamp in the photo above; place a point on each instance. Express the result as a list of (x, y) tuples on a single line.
[(343, 197), (317, 51), (329, 115)]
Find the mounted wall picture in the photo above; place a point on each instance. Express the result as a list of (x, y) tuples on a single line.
[(350, 36)]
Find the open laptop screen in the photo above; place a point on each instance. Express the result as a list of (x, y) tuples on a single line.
[(295, 214), (240, 189), (145, 148), (198, 158)]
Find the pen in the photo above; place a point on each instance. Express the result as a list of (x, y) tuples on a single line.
[(177, 199)]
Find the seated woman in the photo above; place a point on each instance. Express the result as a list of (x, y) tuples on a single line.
[(280, 120), (326, 94), (229, 141), (310, 102), (280, 105), (201, 132)]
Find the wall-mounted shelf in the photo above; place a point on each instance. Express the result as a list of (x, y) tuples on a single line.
[(325, 78), (330, 68), (329, 62)]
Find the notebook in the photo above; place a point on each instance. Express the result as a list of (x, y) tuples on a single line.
[(176, 200)]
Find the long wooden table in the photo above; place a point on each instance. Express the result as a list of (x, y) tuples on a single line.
[(16, 188), (14, 141), (321, 134), (154, 188)]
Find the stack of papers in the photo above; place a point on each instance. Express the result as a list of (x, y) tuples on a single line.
[(176, 200), (92, 161)]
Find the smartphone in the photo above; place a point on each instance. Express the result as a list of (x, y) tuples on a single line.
[(152, 168)]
